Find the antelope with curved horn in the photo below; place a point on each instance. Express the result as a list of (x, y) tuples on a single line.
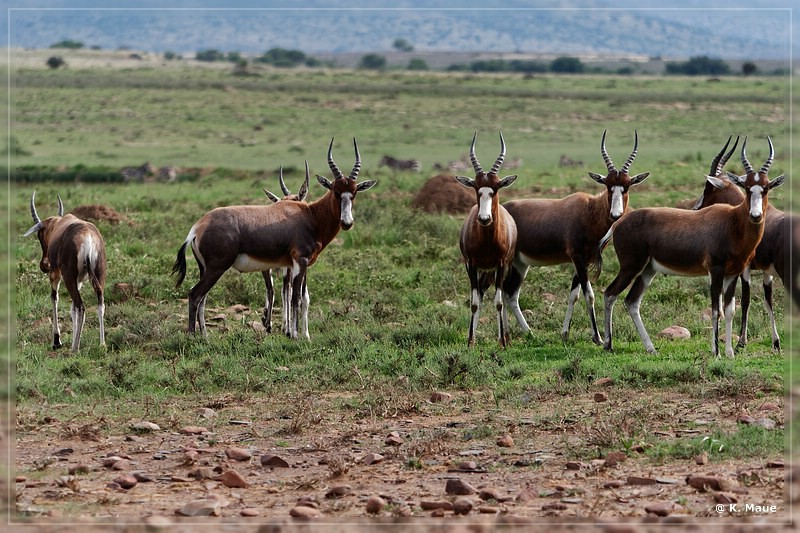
[(718, 241), (556, 231), (253, 238), (771, 253), (488, 238), (73, 251), (286, 292)]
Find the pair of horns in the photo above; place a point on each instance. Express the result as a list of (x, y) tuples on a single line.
[(720, 160), (609, 163), (497, 164), (768, 163), (35, 215), (338, 173), (284, 188)]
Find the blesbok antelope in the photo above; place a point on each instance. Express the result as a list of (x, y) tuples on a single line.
[(771, 255), (400, 164), (556, 231), (73, 251), (718, 241), (487, 242), (254, 238), (286, 291)]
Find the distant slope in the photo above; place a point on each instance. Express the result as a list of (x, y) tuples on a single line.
[(669, 33)]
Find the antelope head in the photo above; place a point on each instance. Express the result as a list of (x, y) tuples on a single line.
[(618, 182), (287, 194), (718, 188), (344, 188), (44, 229), (486, 184), (756, 185)]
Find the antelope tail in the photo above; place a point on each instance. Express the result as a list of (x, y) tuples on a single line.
[(596, 262), (180, 264)]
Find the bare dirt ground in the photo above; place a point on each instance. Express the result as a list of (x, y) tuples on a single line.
[(444, 461)]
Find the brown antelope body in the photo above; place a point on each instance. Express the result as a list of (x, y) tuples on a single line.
[(718, 241), (488, 238), (73, 251), (772, 253), (567, 230), (254, 238)]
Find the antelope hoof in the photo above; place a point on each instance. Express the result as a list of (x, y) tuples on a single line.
[(57, 342), (564, 336), (607, 346), (652, 351), (597, 340), (776, 346)]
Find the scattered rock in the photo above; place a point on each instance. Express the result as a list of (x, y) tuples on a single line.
[(430, 506), (202, 473), (308, 501), (437, 513), (122, 464), (660, 509), (603, 382), (769, 406), (338, 491), (505, 441), (440, 397), (776, 464), (485, 509), (142, 477), (636, 480), (127, 481), (701, 459), (462, 506), (249, 512), (109, 461), (467, 465), (190, 457), (721, 497), (459, 487), (573, 465), (614, 458), (704, 483), (207, 412), (201, 508), (193, 430), (273, 461), (74, 470), (746, 419), (674, 333), (554, 506), (302, 511), (238, 454), (600, 397), (393, 439), (613, 484), (257, 326), (492, 493), (372, 458), (231, 479), (766, 423), (145, 426), (375, 504)]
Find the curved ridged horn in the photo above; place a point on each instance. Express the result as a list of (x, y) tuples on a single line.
[(472, 157), (34, 214), (768, 162), (748, 168), (722, 157), (357, 166), (337, 174), (631, 157), (609, 163), (283, 185), (60, 206), (499, 163)]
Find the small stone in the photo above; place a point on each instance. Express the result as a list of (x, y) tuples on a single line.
[(776, 464), (238, 454), (338, 491), (459, 487), (505, 441), (375, 504), (703, 483), (372, 458), (190, 457), (249, 512), (273, 461), (193, 430), (554, 506), (603, 382), (600, 397), (573, 465), (613, 484), (721, 497), (201, 508), (659, 509), (769, 406), (122, 464), (108, 462), (636, 480), (486, 509), (145, 426), (202, 473), (308, 501), (303, 511), (437, 513), (462, 506), (231, 479), (746, 419), (429, 505), (467, 465), (21, 479), (393, 439), (701, 459), (142, 477), (440, 397), (674, 333), (126, 481), (614, 458), (257, 326), (207, 412), (766, 423)]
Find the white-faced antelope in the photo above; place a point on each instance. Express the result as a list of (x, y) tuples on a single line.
[(255, 238), (718, 241), (73, 251), (488, 238), (286, 291), (556, 231), (771, 255)]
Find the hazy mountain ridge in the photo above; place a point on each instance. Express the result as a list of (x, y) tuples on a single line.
[(668, 33)]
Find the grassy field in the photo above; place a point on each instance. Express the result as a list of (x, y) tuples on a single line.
[(389, 299)]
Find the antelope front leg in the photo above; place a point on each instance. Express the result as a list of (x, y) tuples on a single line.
[(298, 277), (475, 303), (745, 306), (56, 329), (716, 293), (776, 340), (499, 300)]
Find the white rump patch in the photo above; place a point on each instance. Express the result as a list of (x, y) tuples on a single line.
[(88, 250), (248, 263)]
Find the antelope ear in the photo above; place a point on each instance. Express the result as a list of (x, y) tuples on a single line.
[(508, 180), (638, 178), (465, 181), (736, 180), (777, 182), (715, 182), (324, 182), (35, 227), (303, 192), (699, 203), (271, 196), (598, 178), (365, 185)]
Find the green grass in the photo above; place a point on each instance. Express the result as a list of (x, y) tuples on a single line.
[(389, 299)]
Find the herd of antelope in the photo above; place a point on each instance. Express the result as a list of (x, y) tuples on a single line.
[(724, 236)]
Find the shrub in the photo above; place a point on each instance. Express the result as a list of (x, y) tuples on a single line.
[(749, 68), (565, 64), (417, 64), (210, 55), (67, 44), (698, 66), (373, 62), (55, 62), (281, 57)]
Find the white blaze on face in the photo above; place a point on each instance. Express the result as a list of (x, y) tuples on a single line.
[(485, 205), (346, 217), (617, 207), (756, 202)]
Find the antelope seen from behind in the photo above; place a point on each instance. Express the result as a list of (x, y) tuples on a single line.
[(487, 242), (73, 251), (255, 238), (718, 241), (552, 232), (772, 253)]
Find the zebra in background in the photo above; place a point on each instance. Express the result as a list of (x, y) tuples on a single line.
[(400, 164), (167, 174), (137, 173)]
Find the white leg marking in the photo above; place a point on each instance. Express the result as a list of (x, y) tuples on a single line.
[(573, 297), (730, 309)]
